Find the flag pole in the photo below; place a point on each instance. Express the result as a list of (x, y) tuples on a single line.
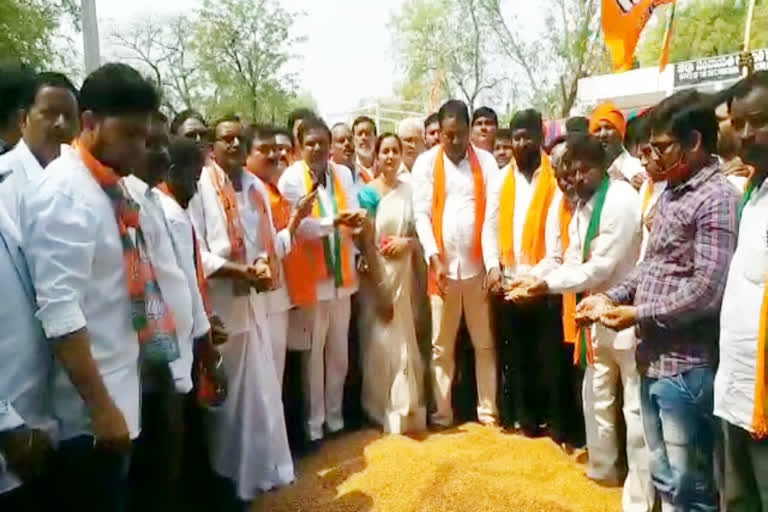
[(748, 28)]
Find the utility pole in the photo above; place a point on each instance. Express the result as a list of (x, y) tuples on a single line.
[(90, 35)]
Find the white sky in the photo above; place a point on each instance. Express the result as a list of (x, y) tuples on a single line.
[(347, 55)]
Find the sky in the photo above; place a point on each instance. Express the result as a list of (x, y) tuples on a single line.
[(346, 56)]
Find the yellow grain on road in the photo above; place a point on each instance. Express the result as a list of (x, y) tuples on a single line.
[(469, 469)]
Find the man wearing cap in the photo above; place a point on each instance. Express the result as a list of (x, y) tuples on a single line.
[(608, 124)]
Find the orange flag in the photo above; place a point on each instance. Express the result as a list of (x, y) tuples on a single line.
[(664, 59), (623, 21)]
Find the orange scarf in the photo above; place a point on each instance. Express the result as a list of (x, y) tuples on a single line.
[(534, 245), (570, 331), (438, 208), (202, 283), (648, 195), (228, 199), (759, 419), (306, 264), (281, 207), (259, 204), (150, 316)]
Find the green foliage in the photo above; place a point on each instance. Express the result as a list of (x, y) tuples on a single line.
[(705, 28), (243, 47), (26, 30)]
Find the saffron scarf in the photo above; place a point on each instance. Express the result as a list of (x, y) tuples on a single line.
[(281, 208), (759, 419), (259, 204), (338, 259), (584, 353), (648, 195), (533, 247), (570, 330), (150, 316), (438, 208), (228, 199), (202, 283)]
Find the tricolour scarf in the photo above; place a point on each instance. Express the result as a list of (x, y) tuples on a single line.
[(150, 316), (583, 353), (533, 247), (438, 208)]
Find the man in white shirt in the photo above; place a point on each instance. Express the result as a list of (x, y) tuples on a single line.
[(741, 372), (50, 120), (364, 132), (431, 131), (608, 124), (76, 256), (450, 186), (157, 459), (27, 426), (485, 123), (342, 145), (514, 241), (411, 133), (322, 291), (604, 244), (247, 435), (502, 148)]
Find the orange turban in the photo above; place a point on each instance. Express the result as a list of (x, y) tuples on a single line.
[(608, 112)]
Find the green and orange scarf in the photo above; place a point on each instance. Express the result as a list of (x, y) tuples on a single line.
[(150, 316)]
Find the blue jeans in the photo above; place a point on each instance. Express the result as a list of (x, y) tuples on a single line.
[(680, 432)]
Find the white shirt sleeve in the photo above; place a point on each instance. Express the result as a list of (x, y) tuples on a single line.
[(292, 186), (490, 236), (554, 255), (619, 229), (58, 234), (9, 418), (201, 207), (200, 324), (423, 190)]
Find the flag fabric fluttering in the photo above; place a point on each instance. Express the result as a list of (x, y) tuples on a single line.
[(623, 22), (664, 58)]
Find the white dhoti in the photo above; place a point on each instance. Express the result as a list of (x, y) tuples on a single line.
[(248, 441), (278, 332), (614, 363), (325, 366)]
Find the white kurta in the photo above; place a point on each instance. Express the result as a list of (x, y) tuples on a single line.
[(740, 315), (649, 209), (248, 440)]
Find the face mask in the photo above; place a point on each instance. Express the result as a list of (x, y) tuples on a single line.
[(678, 171)]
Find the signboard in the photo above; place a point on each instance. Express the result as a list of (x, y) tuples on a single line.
[(714, 69)]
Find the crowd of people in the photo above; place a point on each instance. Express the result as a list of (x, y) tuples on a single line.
[(189, 306)]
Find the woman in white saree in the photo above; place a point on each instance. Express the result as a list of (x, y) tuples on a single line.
[(393, 371)]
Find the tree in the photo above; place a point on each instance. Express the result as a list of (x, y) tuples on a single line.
[(443, 43), (163, 50), (29, 29), (705, 28), (553, 63), (244, 47)]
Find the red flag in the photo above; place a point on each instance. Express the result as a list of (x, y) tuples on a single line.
[(623, 21), (664, 59)]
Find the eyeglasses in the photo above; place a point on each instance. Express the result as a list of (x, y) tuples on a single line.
[(656, 149)]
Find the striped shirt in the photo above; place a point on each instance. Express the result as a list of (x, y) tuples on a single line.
[(678, 288)]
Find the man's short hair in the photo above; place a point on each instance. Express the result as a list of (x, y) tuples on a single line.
[(364, 119), (638, 130), (453, 109), (312, 123), (486, 112), (182, 117), (16, 80), (227, 118), (745, 85), (684, 113), (528, 119), (431, 119), (585, 147), (279, 130), (504, 134), (50, 79), (299, 114), (255, 131), (410, 123), (577, 124), (340, 125), (117, 89)]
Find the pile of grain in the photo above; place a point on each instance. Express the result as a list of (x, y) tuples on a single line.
[(470, 469)]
